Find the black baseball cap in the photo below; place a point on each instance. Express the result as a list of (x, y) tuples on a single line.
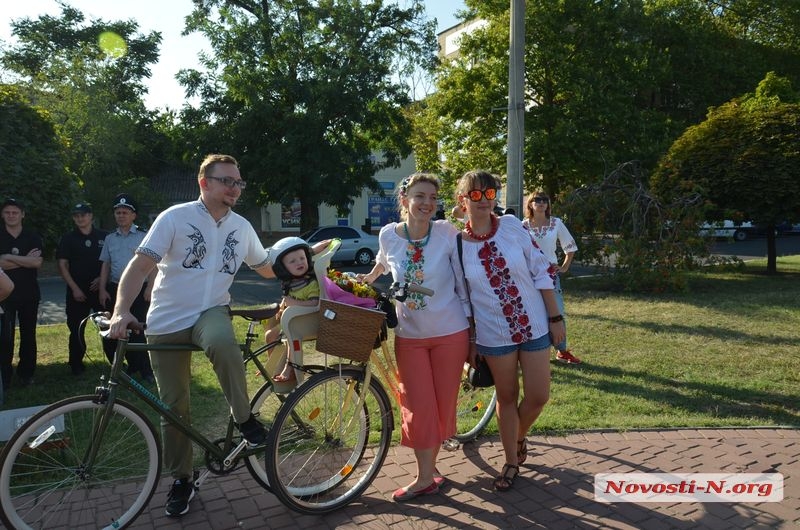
[(123, 199), (12, 202), (82, 207)]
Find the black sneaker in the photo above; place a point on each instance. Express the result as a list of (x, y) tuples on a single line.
[(253, 431), (181, 492)]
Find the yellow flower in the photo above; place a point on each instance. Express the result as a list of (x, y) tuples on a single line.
[(346, 283)]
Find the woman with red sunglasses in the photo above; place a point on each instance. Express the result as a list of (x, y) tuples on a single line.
[(515, 313)]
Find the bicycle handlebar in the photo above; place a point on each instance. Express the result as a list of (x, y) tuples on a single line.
[(416, 288), (399, 291), (103, 322)]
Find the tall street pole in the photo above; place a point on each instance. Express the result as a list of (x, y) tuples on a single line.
[(516, 108)]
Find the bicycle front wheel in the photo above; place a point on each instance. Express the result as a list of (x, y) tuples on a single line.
[(329, 441), (474, 408), (49, 478)]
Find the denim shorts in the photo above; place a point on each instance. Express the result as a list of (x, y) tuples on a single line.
[(541, 343)]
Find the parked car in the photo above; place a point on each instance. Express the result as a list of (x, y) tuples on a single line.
[(357, 245), (727, 229)]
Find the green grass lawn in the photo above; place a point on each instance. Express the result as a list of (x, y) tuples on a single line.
[(724, 354)]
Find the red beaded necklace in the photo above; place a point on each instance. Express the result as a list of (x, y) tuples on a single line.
[(483, 237)]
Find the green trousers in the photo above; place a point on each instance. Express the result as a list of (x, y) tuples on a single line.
[(213, 332)]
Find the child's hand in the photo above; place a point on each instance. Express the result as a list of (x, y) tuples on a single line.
[(320, 246)]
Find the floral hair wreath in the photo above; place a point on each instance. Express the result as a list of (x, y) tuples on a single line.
[(404, 185)]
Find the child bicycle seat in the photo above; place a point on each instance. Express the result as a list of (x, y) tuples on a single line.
[(301, 323)]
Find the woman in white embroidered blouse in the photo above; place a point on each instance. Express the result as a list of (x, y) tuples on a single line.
[(549, 231), (432, 332), (515, 313)]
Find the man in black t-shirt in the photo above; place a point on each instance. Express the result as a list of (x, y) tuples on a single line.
[(20, 258), (79, 263)]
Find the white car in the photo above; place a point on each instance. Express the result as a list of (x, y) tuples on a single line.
[(357, 245), (727, 229)]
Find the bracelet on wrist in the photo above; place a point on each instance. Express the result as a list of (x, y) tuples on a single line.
[(557, 318)]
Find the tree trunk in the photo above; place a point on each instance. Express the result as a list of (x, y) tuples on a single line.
[(772, 251)]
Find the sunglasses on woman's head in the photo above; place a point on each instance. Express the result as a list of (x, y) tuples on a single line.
[(541, 199), (476, 195)]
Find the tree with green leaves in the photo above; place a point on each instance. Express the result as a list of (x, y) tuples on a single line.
[(32, 165), (606, 82), (585, 64), (303, 92), (744, 159), (90, 78)]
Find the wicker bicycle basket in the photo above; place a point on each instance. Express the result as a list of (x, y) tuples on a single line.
[(348, 331)]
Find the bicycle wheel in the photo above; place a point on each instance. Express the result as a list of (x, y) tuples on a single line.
[(474, 409), (46, 481), (329, 441)]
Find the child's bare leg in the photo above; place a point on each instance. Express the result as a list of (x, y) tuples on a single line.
[(287, 375), (271, 335)]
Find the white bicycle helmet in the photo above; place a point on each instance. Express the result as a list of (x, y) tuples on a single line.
[(283, 247)]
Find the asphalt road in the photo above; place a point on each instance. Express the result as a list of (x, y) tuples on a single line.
[(250, 289)]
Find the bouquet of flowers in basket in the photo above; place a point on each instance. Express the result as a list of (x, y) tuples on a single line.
[(343, 287)]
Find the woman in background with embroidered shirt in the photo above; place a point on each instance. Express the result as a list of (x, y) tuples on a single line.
[(548, 231), (431, 338)]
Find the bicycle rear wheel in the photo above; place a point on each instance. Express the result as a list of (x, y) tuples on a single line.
[(474, 409), (46, 479), (329, 441)]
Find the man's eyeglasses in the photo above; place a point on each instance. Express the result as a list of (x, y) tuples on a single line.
[(541, 199), (229, 182), (476, 195)]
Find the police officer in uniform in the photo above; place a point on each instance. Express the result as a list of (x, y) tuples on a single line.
[(78, 256), (20, 258), (118, 250)]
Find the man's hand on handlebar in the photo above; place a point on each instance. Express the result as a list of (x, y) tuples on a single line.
[(119, 325)]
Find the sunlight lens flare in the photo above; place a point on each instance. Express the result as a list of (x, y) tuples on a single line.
[(112, 44)]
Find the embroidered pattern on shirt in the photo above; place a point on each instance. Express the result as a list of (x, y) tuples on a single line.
[(229, 265), (496, 269), (540, 231), (415, 273), (194, 259)]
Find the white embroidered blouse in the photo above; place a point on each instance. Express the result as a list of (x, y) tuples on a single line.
[(505, 274), (433, 265), (549, 235)]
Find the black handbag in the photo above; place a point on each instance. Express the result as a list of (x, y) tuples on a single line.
[(480, 376)]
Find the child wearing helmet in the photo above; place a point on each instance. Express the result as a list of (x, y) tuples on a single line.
[(292, 266)]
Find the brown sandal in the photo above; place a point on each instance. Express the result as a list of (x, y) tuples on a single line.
[(505, 480), (522, 451)]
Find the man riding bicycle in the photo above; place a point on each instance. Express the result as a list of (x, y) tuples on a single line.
[(198, 247)]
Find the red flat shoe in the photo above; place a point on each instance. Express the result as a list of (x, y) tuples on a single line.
[(567, 357), (403, 494), (438, 479)]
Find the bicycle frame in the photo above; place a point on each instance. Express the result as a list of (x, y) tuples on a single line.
[(107, 394)]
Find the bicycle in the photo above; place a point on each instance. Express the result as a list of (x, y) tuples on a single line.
[(474, 410), (330, 438), (96, 459)]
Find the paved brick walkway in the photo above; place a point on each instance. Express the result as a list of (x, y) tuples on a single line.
[(555, 489)]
